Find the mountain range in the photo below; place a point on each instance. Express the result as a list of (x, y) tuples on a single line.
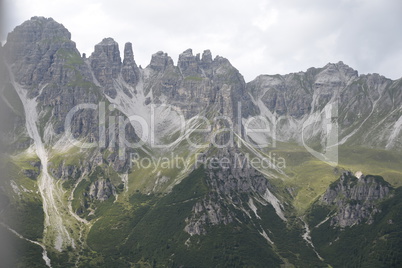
[(108, 164)]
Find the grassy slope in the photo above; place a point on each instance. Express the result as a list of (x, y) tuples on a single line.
[(309, 177), (139, 217), (143, 226), (150, 233)]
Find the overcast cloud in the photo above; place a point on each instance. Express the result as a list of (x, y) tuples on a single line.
[(257, 36)]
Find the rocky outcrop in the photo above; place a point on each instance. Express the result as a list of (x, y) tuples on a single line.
[(188, 63), (69, 171), (160, 61), (101, 190), (206, 59), (229, 184), (106, 64), (33, 173), (130, 72), (208, 212), (355, 199)]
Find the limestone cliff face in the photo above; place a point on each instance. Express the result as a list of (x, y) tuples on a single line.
[(160, 61), (130, 71), (32, 51), (355, 199), (13, 135), (106, 64), (235, 188), (366, 110), (45, 62), (197, 84)]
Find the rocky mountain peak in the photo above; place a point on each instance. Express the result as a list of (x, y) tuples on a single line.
[(110, 49), (128, 52), (188, 63), (35, 46), (106, 64), (24, 38), (160, 61), (206, 61), (341, 70), (206, 56), (223, 63), (188, 53), (37, 29), (130, 71)]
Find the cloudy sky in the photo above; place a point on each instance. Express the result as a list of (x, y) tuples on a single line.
[(257, 36)]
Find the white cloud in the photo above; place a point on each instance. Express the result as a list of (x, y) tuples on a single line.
[(266, 19)]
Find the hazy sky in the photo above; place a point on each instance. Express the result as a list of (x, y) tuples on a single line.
[(257, 36)]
